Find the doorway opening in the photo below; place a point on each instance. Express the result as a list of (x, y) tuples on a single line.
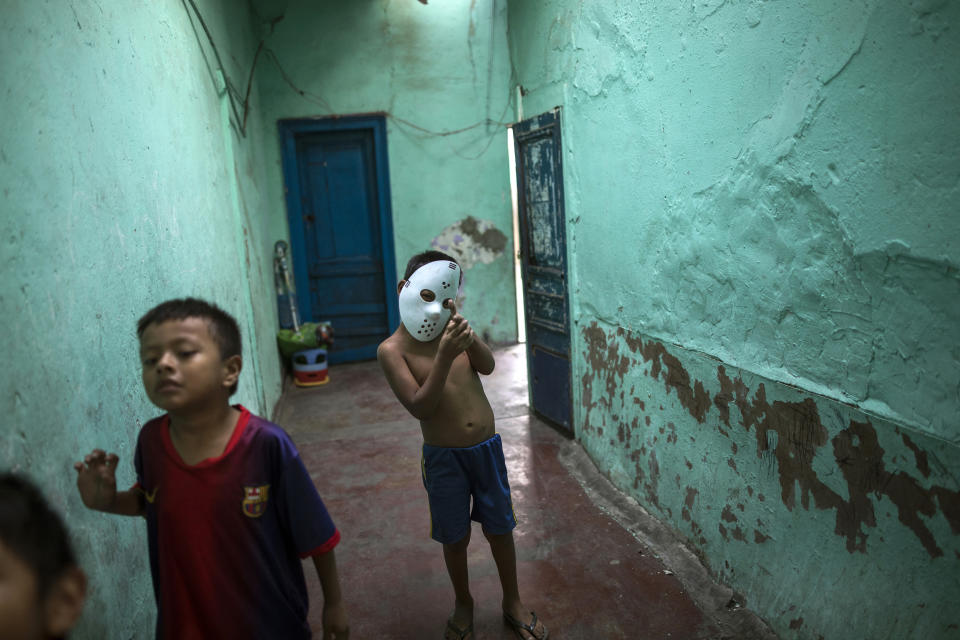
[(517, 275)]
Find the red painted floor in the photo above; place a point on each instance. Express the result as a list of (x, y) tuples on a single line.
[(582, 572)]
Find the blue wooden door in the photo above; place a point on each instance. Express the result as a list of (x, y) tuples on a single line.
[(340, 230), (543, 259)]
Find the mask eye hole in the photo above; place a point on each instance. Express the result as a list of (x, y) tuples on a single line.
[(427, 295)]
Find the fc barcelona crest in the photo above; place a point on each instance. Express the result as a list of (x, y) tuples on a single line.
[(255, 500)]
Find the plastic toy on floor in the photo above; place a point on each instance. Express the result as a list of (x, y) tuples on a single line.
[(310, 368), (307, 350)]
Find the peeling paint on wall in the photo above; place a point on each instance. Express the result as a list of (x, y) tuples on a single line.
[(471, 241), (800, 433)]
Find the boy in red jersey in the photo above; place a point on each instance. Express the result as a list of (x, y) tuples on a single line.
[(230, 508)]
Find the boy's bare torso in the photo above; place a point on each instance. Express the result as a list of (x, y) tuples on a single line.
[(463, 416)]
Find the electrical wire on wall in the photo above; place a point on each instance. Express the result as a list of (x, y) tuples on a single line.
[(241, 120), (320, 101), (231, 90), (485, 122)]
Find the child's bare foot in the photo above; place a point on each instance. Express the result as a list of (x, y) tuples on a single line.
[(525, 623), (460, 622)]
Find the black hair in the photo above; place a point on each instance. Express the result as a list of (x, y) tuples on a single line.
[(427, 257), (33, 531), (223, 328)]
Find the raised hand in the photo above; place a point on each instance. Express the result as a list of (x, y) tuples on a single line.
[(457, 335), (96, 479)]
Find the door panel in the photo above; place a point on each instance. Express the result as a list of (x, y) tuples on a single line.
[(544, 265), (550, 380), (339, 221)]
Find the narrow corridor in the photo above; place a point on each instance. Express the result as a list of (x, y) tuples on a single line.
[(591, 563)]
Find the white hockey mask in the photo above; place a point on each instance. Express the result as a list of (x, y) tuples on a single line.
[(426, 320)]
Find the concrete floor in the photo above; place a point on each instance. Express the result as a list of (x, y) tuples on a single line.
[(591, 562)]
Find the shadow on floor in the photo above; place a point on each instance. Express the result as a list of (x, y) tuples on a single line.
[(590, 561)]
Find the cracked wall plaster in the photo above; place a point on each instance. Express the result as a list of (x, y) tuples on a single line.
[(782, 181)]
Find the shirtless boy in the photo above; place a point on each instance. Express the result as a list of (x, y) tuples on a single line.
[(431, 362)]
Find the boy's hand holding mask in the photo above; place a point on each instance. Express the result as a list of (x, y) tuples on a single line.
[(457, 335)]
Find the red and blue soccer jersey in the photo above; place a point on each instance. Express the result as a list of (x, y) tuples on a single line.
[(227, 535)]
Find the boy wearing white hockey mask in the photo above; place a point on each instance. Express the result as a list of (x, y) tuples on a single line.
[(432, 362)]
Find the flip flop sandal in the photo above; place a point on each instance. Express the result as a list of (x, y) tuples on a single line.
[(453, 632), (517, 626)]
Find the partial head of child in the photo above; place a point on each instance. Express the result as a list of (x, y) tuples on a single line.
[(42, 590), (190, 351), (426, 257)]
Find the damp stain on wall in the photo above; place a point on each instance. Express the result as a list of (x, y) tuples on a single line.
[(788, 436)]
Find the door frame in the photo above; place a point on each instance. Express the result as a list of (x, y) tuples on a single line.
[(290, 130)]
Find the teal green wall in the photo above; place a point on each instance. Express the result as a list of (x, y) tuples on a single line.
[(122, 184), (443, 67), (774, 186), (774, 368)]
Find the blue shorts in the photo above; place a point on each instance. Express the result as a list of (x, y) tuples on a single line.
[(452, 475)]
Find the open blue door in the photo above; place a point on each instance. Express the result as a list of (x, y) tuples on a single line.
[(543, 260), (341, 231)]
